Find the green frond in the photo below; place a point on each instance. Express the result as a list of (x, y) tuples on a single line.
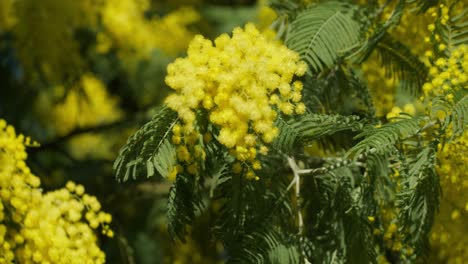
[(163, 160), (381, 140), (310, 127), (183, 205), (418, 199), (362, 90), (313, 126), (367, 47), (287, 137), (456, 112), (148, 149), (337, 228), (455, 31), (231, 194), (267, 246), (459, 115), (287, 7), (320, 33), (401, 64)]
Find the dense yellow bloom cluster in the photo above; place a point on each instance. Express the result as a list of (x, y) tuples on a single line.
[(129, 29), (84, 105), (239, 81), (449, 74), (37, 227)]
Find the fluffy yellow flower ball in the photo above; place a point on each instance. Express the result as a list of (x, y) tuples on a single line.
[(37, 227), (242, 82), (448, 74)]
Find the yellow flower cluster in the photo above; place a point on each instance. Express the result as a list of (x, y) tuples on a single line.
[(84, 105), (449, 74), (36, 227), (239, 81), (396, 111), (128, 28), (448, 234)]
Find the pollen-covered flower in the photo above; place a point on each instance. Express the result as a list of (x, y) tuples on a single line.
[(242, 82), (36, 227), (448, 74)]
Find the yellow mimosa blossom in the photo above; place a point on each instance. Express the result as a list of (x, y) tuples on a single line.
[(37, 227), (239, 81)]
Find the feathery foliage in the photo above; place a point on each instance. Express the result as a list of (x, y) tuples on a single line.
[(148, 148), (183, 205), (419, 198), (322, 32), (455, 31), (401, 64), (383, 139)]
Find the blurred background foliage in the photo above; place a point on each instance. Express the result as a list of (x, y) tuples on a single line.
[(81, 76)]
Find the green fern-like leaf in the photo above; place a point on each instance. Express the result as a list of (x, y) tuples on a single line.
[(419, 198), (381, 140), (401, 63), (183, 205), (459, 115), (321, 32), (310, 127), (266, 245), (456, 112), (367, 47), (148, 149), (455, 32)]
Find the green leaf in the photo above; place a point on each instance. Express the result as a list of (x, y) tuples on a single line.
[(309, 127), (381, 140), (400, 63), (164, 159), (321, 32), (183, 205), (455, 32), (149, 145), (418, 199)]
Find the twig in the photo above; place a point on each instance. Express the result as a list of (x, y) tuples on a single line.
[(300, 220), (56, 142)]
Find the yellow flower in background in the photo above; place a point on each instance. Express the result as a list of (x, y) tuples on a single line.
[(84, 105), (87, 104), (449, 74), (36, 227), (129, 29), (265, 16)]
